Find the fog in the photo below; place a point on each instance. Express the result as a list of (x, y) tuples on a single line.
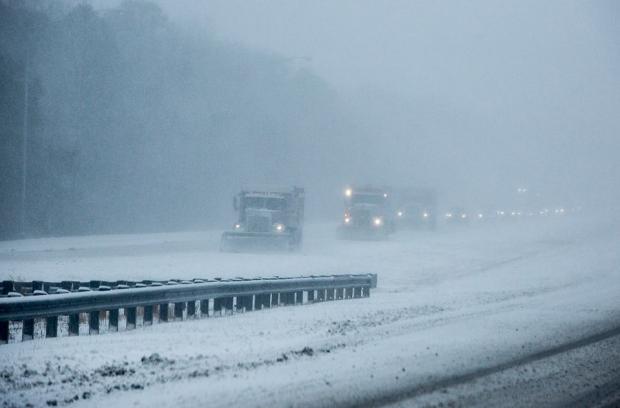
[(149, 116), (471, 97)]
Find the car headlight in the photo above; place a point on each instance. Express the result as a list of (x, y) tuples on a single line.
[(400, 213), (237, 226), (377, 221), (347, 220), (425, 215), (348, 192), (448, 215), (278, 227)]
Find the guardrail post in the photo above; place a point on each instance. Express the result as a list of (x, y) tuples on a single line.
[(62, 329), (131, 318), (93, 322), (258, 301), (148, 315), (267, 300), (171, 312), (39, 328), (113, 322), (357, 292), (16, 333), (197, 309), (180, 311), (240, 303), (348, 293), (4, 332), (83, 327), (340, 293), (104, 321), (229, 303), (74, 324), (122, 319), (204, 307), (330, 293), (139, 316), (163, 312), (51, 326), (156, 314), (28, 329), (217, 306)]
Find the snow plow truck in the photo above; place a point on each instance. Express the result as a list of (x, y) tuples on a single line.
[(416, 209), (368, 213), (269, 218)]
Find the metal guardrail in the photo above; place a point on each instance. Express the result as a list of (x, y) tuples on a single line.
[(47, 309)]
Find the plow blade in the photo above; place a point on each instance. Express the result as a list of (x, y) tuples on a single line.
[(254, 241), (362, 234)]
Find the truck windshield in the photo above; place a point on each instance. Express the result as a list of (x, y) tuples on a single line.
[(268, 203), (367, 199)]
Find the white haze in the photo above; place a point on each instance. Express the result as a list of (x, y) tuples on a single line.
[(472, 97), (150, 120)]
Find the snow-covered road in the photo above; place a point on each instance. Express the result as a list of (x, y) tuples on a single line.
[(448, 303)]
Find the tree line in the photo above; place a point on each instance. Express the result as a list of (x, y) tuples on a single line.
[(119, 122)]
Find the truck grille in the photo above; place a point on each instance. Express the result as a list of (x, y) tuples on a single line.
[(257, 223)]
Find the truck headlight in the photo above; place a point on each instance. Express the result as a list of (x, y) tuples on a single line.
[(400, 213), (377, 221), (348, 192), (279, 227), (347, 220), (237, 226), (425, 215)]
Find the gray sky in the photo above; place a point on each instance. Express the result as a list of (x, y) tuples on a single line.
[(533, 81), (480, 93)]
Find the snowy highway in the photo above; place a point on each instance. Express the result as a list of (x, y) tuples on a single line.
[(516, 314)]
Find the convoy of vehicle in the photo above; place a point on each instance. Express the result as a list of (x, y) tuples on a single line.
[(272, 218)]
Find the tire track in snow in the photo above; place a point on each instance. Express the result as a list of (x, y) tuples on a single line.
[(460, 379)]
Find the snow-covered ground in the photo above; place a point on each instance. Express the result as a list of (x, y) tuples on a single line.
[(448, 302)]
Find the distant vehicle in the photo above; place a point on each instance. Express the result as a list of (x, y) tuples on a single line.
[(457, 215), (367, 214), (268, 218), (416, 208)]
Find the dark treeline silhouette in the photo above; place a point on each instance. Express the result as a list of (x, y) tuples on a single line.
[(132, 126)]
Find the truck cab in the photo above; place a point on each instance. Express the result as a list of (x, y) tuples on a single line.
[(367, 213), (416, 208), (267, 217)]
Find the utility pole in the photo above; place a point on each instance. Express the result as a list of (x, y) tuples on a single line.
[(25, 147)]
